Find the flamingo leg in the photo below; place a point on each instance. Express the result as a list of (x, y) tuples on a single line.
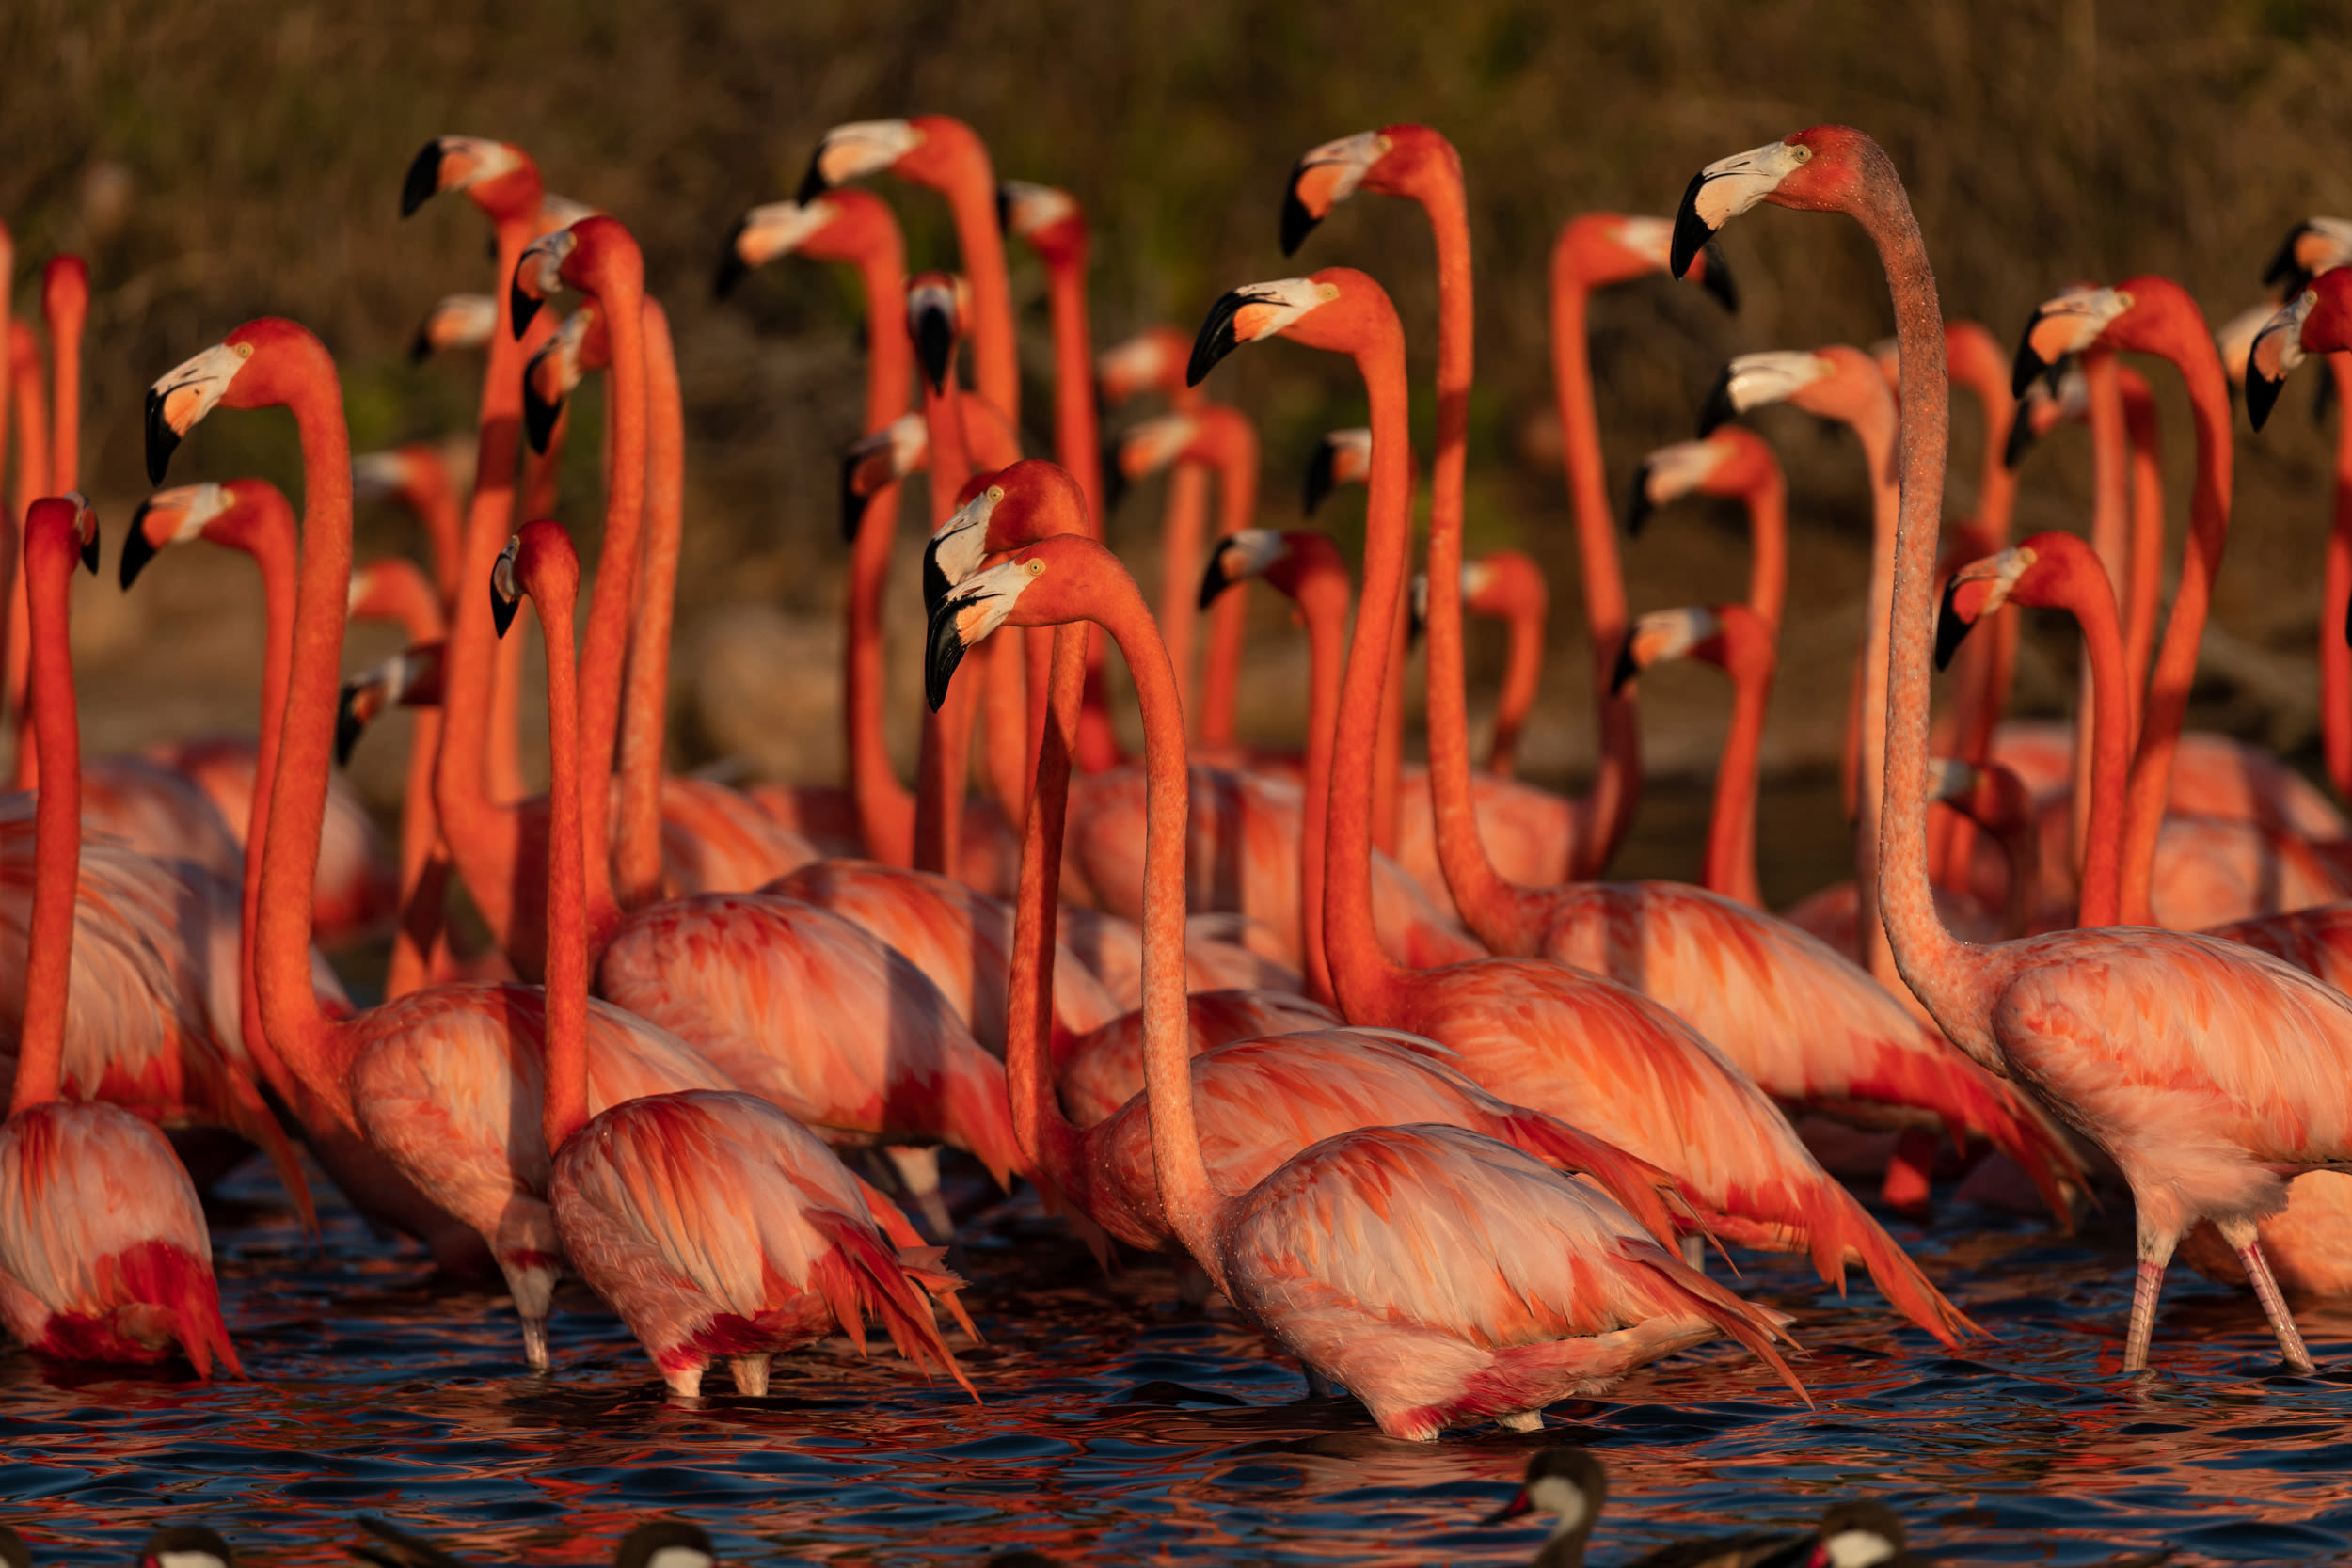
[(917, 1166), (2155, 1251), (536, 1344), (686, 1381), (751, 1374), (1521, 1420), (1318, 1385), (2240, 1234)]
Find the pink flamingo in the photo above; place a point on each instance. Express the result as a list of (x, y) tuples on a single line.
[(1440, 1275), (438, 1084), (713, 1223), (1543, 1035), (2206, 1072), (456, 322), (103, 1255)]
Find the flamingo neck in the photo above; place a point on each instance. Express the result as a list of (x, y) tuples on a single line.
[(947, 733), (1362, 976), (2335, 652), (48, 565), (32, 482), (971, 192), (647, 682), (423, 866), (563, 1107), (1238, 509), (1939, 970), (271, 543), (1615, 789), (1878, 432), (2144, 590), (885, 809), (2176, 659), (1729, 866), (1046, 1134), (1322, 597), (294, 1027), (430, 497), (1077, 437), (2092, 604), (1522, 674), (1766, 502)]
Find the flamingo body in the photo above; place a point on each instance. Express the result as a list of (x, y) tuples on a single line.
[(718, 840), (1531, 833), (717, 1225), (103, 1255), (1102, 1071), (158, 812)]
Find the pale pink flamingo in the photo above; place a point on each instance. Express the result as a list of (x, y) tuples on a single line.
[(438, 1084), (2207, 1073), (1441, 1277), (103, 1254), (713, 1223), (1537, 1032)]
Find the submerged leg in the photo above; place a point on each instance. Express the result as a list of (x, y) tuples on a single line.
[(1908, 1169), (1318, 1385), (686, 1381), (1521, 1420), (2241, 1236), (2155, 1251), (918, 1171), (535, 1343), (751, 1374)]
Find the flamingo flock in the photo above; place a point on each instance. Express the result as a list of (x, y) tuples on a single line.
[(1369, 1049)]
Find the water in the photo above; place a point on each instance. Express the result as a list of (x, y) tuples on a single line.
[(1121, 1426)]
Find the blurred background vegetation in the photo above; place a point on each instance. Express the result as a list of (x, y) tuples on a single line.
[(217, 160)]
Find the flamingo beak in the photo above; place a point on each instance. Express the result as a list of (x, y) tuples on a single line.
[(956, 551), (1243, 554), (2061, 327), (423, 180), (179, 399), (876, 460), (1520, 1505), (1320, 481), (357, 706), (452, 164), (964, 618), (1951, 629), (1627, 667), (1725, 189), (1250, 312), (855, 150), (538, 276), (506, 594), (1719, 410), (1326, 177), (1715, 277), (2022, 436), (766, 232), (931, 320), (2278, 349), (1638, 506), (1997, 574), (167, 517)]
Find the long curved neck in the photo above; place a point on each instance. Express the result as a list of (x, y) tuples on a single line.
[(1886, 500), (56, 831), (948, 733), (613, 601), (1077, 436), (1615, 789), (427, 491), (480, 826), (424, 863), (1766, 502), (1939, 970), (543, 473), (65, 410), (2176, 659), (885, 808), (1045, 1133), (1238, 509), (2093, 607), (2143, 590), (1522, 673), (1362, 976), (2111, 541), (271, 543), (1322, 598), (32, 482), (2335, 652), (647, 684), (1729, 866), (971, 194), (297, 1031), (563, 1107)]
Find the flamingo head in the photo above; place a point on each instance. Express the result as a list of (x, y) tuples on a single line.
[(669, 1543), (1326, 177), (857, 149), (1752, 380), (1597, 250), (1812, 170), (1342, 457), (506, 588), (1047, 216), (498, 176), (66, 524), (186, 1546), (1568, 1483), (455, 322), (1865, 1533), (2042, 409), (877, 460), (1148, 447), (410, 678), (1659, 636), (1245, 553), (2062, 326), (174, 516), (2317, 321), (2314, 246), (264, 363), (938, 304), (1506, 583), (1017, 504), (598, 255), (1716, 464), (561, 212), (1046, 583), (555, 368), (1336, 308), (1976, 591), (1151, 361), (818, 227)]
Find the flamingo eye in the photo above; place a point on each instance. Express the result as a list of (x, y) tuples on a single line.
[(1805, 153), (1034, 568), (1327, 292), (245, 351), (995, 492)]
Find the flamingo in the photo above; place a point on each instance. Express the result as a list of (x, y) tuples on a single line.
[(103, 1255), (713, 1223), (1594, 251), (65, 309), (455, 322), (417, 476), (1441, 1277), (2184, 871), (1541, 1034), (2206, 1072), (438, 1084)]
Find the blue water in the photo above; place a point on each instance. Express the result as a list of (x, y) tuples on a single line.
[(377, 1393)]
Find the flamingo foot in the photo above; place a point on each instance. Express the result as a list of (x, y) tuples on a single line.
[(536, 1344), (751, 1374), (1905, 1187), (2299, 1359), (2143, 1325), (918, 1166), (1521, 1420), (686, 1382)]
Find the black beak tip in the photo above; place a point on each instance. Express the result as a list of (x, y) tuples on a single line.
[(1950, 630), (1718, 279), (2021, 441), (539, 417), (1627, 668), (136, 551), (349, 726), (1215, 580), (1216, 339), (1320, 482), (935, 583), (1518, 1507), (502, 610), (852, 504), (521, 307), (1115, 481), (1691, 233), (89, 552), (2284, 270), (2028, 364), (2262, 395), (420, 347), (935, 345), (162, 440), (813, 184), (1718, 410), (423, 177), (1297, 223), (1637, 503), (943, 651), (731, 271)]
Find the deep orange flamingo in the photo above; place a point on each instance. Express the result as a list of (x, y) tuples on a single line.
[(1440, 1276), (103, 1255), (2207, 1073), (1541, 1034)]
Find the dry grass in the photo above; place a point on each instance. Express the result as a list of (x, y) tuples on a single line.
[(263, 147)]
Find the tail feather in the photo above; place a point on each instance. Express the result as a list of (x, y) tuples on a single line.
[(1632, 1181), (1741, 1320), (1836, 1220), (178, 1286), (870, 1277)]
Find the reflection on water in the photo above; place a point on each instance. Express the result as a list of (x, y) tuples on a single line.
[(1110, 1433)]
